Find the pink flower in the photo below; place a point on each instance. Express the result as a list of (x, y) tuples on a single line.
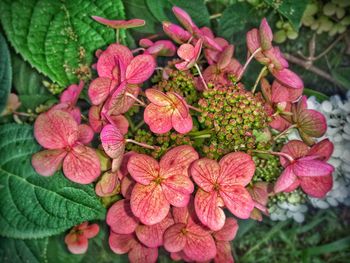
[(222, 241), (108, 185), (160, 185), (113, 141), (260, 195), (163, 48), (120, 24), (176, 33), (12, 105), (306, 167), (69, 99), (187, 238), (184, 19), (189, 54), (58, 132), (167, 111), (77, 239), (222, 184)]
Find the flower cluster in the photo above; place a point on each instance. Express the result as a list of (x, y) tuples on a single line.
[(212, 148)]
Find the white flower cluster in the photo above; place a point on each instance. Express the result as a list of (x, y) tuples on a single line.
[(337, 113)]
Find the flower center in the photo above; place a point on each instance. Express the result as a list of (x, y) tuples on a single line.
[(158, 180)]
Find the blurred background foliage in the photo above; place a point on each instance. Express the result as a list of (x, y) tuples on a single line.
[(314, 34)]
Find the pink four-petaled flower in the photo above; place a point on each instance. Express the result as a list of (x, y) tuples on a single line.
[(77, 239)]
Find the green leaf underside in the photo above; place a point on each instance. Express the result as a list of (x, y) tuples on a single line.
[(59, 38), (5, 73), (33, 206), (293, 10), (18, 251)]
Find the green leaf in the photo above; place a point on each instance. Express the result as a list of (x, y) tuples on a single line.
[(19, 251), (342, 75), (335, 246), (319, 95), (195, 8), (59, 38), (33, 206), (293, 10), (5, 73), (28, 84)]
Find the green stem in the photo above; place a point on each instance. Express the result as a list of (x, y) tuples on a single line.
[(201, 76), (117, 35), (194, 108), (131, 123), (287, 156), (200, 133), (247, 63), (139, 125), (261, 74), (144, 145), (284, 132)]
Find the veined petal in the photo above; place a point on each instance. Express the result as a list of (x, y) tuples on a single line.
[(120, 122), (127, 186), (55, 129), (86, 134), (312, 122), (121, 244), (296, 149), (95, 118), (108, 185), (228, 232), (91, 230), (205, 173), (186, 52), (317, 186), (223, 252), (113, 141), (184, 18), (149, 204), (236, 168), (157, 97), (177, 161), (288, 78), (174, 238), (152, 236), (120, 102), (208, 210), (280, 93), (47, 162), (120, 24), (307, 167), (180, 124), (285, 180), (71, 94), (238, 200), (177, 190), (81, 165), (140, 69), (179, 103), (121, 219), (175, 32), (158, 118), (323, 150), (143, 168), (142, 254), (76, 243), (99, 90), (265, 34)]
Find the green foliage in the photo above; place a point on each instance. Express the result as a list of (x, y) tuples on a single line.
[(5, 73), (319, 95), (59, 38), (293, 10), (19, 251), (28, 84), (342, 75), (33, 206)]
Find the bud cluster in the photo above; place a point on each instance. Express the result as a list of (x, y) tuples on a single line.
[(267, 170)]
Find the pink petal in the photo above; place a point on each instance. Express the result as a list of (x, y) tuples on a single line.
[(228, 232), (113, 141), (265, 34), (279, 92), (253, 42), (143, 168), (180, 124), (55, 129), (177, 161), (176, 33), (99, 90), (205, 173), (238, 200), (208, 210), (71, 94), (120, 102), (225, 57), (81, 165), (276, 60), (306, 167), (124, 165), (179, 103), (279, 123), (127, 186), (183, 214), (86, 134), (152, 236), (285, 180), (47, 162), (174, 238), (95, 118), (121, 219), (183, 65), (120, 24), (121, 244), (120, 122), (260, 194), (186, 52), (323, 150), (312, 122), (149, 204), (316, 186), (288, 78), (200, 245), (224, 253), (140, 69), (145, 42), (157, 97), (91, 230), (177, 190), (76, 243), (208, 43), (158, 118), (108, 184), (296, 149), (184, 18), (142, 254), (236, 168)]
